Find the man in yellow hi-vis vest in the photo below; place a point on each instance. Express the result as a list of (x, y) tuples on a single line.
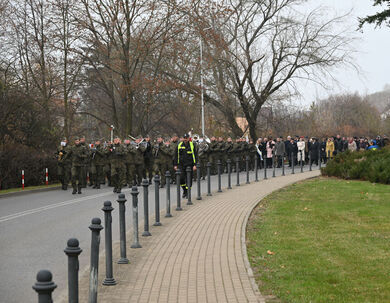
[(186, 155)]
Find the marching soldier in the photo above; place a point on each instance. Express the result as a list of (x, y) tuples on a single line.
[(78, 153), (203, 149), (130, 162), (97, 164), (186, 155), (236, 151), (213, 154), (229, 150), (139, 159), (161, 159), (252, 154), (118, 167), (148, 159), (84, 168), (172, 152), (63, 165), (107, 165), (222, 155)]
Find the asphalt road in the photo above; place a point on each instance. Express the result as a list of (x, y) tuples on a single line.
[(34, 229)]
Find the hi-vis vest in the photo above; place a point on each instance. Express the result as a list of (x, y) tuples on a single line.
[(179, 147)]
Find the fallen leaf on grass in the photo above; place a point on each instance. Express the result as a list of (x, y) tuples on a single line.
[(270, 252)]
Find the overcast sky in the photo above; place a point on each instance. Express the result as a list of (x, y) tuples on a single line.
[(373, 57)]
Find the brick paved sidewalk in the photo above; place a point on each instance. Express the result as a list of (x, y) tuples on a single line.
[(199, 255)]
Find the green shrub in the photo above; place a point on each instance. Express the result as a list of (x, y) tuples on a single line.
[(371, 165)]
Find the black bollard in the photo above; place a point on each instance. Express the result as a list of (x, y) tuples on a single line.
[(293, 164), (219, 175), (301, 162), (168, 195), (178, 173), (310, 164), (189, 181), (44, 286), (209, 179), (265, 168), (107, 208), (145, 184), (229, 168), (95, 227), (134, 194), (199, 195), (157, 200), (238, 171), (273, 165), (256, 169), (122, 228), (73, 251), (247, 169)]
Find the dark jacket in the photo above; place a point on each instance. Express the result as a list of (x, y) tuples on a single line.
[(185, 156)]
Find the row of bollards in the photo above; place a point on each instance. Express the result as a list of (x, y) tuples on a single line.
[(45, 286)]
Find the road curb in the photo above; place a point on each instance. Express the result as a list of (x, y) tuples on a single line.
[(28, 191)]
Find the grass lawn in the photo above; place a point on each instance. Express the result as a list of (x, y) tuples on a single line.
[(12, 190), (323, 240)]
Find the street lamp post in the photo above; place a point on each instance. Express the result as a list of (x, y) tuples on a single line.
[(201, 83), (201, 79)]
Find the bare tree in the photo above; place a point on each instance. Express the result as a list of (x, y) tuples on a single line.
[(257, 51)]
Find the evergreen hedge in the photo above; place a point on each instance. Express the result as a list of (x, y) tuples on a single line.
[(369, 165)]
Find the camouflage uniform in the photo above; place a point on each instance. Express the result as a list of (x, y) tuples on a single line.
[(162, 159), (139, 162), (118, 168), (107, 165), (252, 155), (63, 165), (129, 163), (148, 161), (213, 155), (78, 153), (84, 167), (172, 152), (236, 152), (203, 158), (222, 156), (98, 157)]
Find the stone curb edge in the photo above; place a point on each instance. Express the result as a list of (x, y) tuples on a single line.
[(28, 191)]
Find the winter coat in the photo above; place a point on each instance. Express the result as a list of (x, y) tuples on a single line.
[(329, 149)]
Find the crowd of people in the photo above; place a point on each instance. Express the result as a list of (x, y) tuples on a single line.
[(128, 163)]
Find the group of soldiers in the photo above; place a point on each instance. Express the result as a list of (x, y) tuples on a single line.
[(127, 163)]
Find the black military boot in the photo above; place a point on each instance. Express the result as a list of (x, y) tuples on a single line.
[(184, 193), (98, 186), (79, 189), (74, 191), (118, 190), (114, 190)]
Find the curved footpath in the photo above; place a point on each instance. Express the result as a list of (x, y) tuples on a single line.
[(199, 255)]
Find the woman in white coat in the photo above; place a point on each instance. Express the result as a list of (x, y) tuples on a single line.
[(301, 150)]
